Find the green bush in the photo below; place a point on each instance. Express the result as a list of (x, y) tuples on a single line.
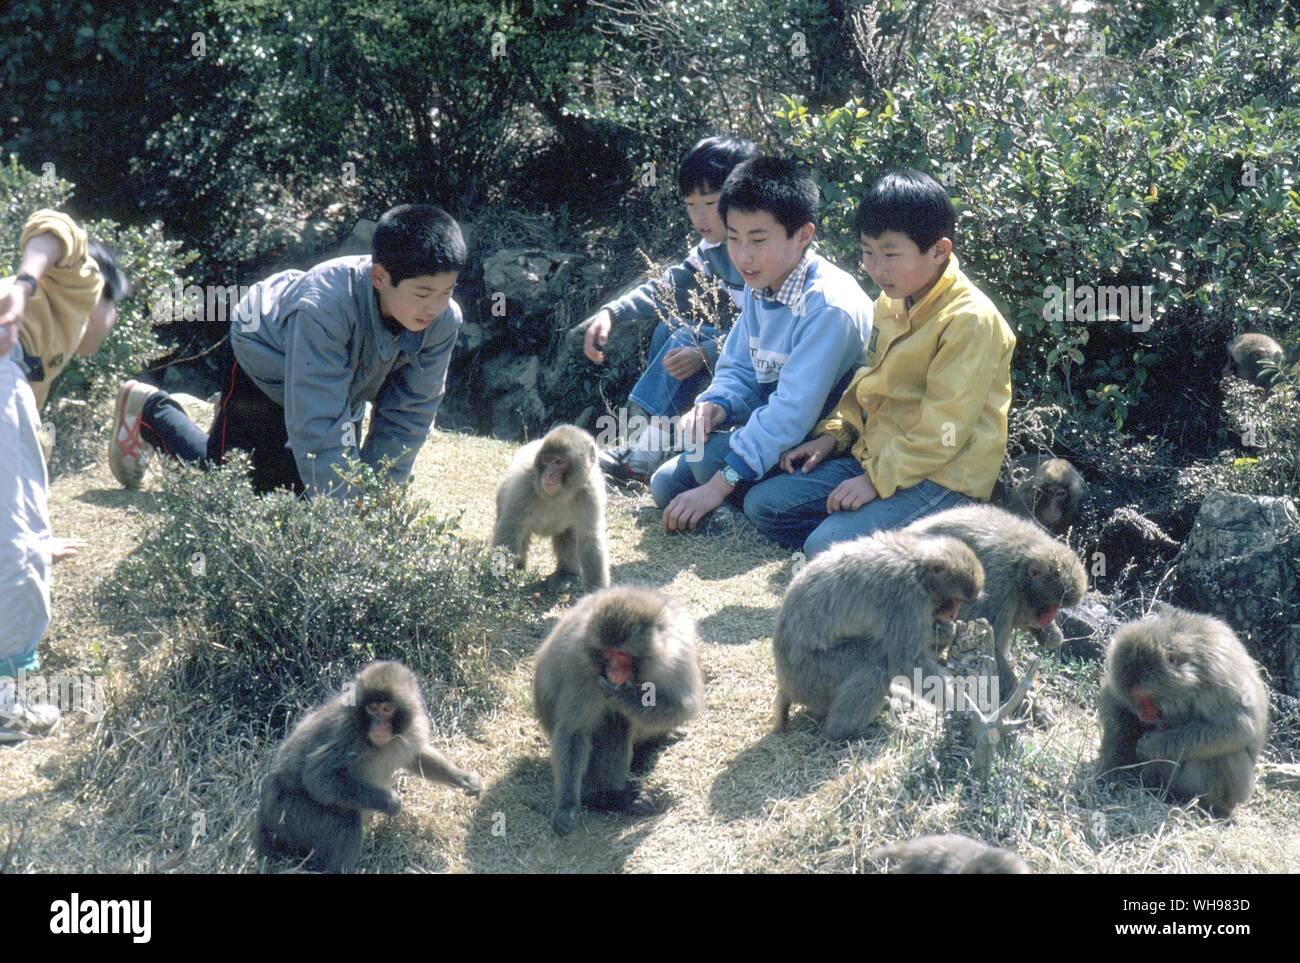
[(1176, 172), (291, 590), (354, 108), (265, 606)]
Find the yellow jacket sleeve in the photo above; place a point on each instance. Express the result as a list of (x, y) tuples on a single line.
[(72, 284), (55, 318), (957, 385), (847, 421)]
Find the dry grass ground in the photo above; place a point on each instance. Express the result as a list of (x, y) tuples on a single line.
[(734, 797)]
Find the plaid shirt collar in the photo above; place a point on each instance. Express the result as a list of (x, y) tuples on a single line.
[(790, 289)]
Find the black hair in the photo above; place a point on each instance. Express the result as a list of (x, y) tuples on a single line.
[(778, 185), (705, 166), (909, 202), (116, 284), (412, 240)]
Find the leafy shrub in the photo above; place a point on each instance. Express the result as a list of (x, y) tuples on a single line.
[(289, 590), (1175, 173), (1266, 426), (266, 605), (355, 108)]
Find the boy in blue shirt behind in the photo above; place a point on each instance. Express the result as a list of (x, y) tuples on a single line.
[(682, 356), (800, 335)]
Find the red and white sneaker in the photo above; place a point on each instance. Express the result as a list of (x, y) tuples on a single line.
[(128, 453)]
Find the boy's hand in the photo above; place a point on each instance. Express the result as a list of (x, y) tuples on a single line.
[(815, 451), (683, 362), (12, 306), (689, 508), (852, 494), (593, 345), (700, 420), (62, 549)]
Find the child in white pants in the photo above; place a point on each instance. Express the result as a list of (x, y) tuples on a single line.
[(24, 525)]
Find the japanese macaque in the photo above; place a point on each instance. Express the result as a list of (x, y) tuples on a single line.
[(555, 487), (861, 614), (1255, 358), (1183, 707), (949, 854), (1028, 576), (338, 764), (618, 670), (1052, 492)]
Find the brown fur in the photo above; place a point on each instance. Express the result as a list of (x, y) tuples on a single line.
[(327, 776), (573, 517), (595, 725), (1212, 704), (1052, 492), (860, 614), (1254, 358), (950, 854), (1026, 574)]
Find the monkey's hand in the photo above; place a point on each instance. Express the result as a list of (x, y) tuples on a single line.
[(394, 804), (626, 695), (1152, 745), (472, 784), (1050, 636)]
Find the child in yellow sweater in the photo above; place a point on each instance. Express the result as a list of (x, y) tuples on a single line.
[(62, 301), (923, 425)]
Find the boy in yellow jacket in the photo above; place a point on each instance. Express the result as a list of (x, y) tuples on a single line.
[(923, 425), (61, 301)]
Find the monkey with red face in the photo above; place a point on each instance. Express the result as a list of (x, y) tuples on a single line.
[(1051, 492), (619, 671), (1183, 707), (338, 765)]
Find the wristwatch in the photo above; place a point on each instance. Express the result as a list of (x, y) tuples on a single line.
[(29, 280), (730, 475)]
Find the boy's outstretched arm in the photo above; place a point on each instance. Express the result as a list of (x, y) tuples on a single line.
[(807, 378), (318, 373), (407, 404)]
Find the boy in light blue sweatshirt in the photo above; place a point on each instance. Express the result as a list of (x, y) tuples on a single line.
[(801, 332), (683, 350)]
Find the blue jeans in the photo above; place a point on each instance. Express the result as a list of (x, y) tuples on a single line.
[(792, 508), (658, 392), (681, 474)]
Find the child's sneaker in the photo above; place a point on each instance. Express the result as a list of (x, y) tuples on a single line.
[(17, 716), (614, 463), (128, 453)]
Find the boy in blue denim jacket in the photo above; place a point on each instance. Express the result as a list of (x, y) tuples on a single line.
[(682, 355)]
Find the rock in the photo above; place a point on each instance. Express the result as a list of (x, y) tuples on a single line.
[(1087, 627), (518, 415), (358, 242), (174, 378), (1238, 564), (1283, 727), (508, 373), (473, 336), (517, 411), (531, 279)]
